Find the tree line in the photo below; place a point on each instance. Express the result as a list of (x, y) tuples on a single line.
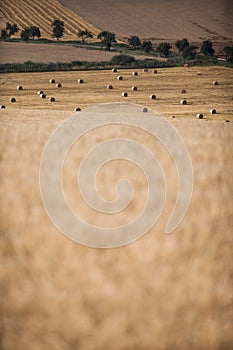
[(107, 39)]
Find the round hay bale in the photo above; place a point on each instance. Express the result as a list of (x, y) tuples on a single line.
[(145, 70), (213, 111), (109, 87), (43, 95), (19, 87), (2, 107), (77, 109), (199, 73), (134, 88), (52, 81), (40, 92), (154, 71), (12, 99), (226, 121), (183, 102), (183, 91), (215, 82), (153, 97), (124, 94), (144, 109), (58, 85), (119, 77), (199, 115), (80, 81), (114, 70), (52, 99), (186, 65), (135, 74), (172, 116)]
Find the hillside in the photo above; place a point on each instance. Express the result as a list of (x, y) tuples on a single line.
[(160, 20), (42, 13)]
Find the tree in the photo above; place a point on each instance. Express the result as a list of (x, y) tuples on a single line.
[(229, 53), (134, 42), (164, 49), (147, 46), (107, 38), (181, 44), (34, 32), (84, 34), (207, 48), (4, 35), (122, 60), (57, 29), (189, 52), (11, 29), (25, 34)]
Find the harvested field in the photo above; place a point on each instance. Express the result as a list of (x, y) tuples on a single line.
[(163, 291), (22, 52), (42, 13), (167, 86), (197, 20)]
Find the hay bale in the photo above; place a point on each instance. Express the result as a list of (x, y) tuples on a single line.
[(199, 73), (40, 92), (154, 71), (135, 74), (43, 95), (19, 87), (183, 102), (215, 82), (213, 111), (119, 77), (2, 107), (199, 115), (77, 109), (226, 121), (145, 70), (80, 81), (114, 70), (144, 109), (186, 65), (172, 116), (52, 99), (124, 94), (134, 88), (12, 99), (153, 97), (183, 91), (109, 87), (52, 81), (58, 85)]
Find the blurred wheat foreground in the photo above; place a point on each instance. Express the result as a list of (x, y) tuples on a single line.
[(161, 292)]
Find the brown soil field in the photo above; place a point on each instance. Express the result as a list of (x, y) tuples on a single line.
[(160, 20), (167, 85), (42, 13), (163, 292)]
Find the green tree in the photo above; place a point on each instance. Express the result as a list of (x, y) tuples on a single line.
[(25, 34), (134, 42), (122, 60), (229, 53), (147, 46), (4, 35), (35, 32), (189, 52), (11, 29), (164, 49), (181, 44), (57, 29), (207, 48), (107, 38), (84, 34)]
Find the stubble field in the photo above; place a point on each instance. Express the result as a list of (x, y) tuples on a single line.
[(161, 292)]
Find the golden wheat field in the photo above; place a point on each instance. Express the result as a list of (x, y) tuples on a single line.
[(161, 292)]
